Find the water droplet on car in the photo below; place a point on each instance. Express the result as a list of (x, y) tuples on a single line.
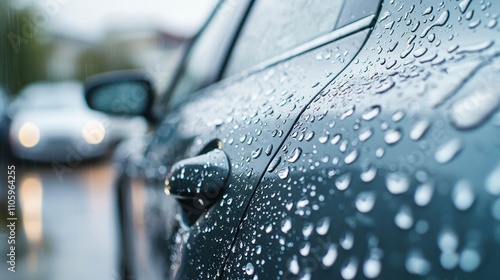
[(493, 181), (307, 229), (368, 175), (397, 183), (269, 149), (385, 86), (431, 37), (449, 260), (269, 228), (472, 110), (309, 136), (295, 155), (419, 52), (474, 24), (347, 113), (407, 51), (470, 260), (256, 153), (417, 264), (366, 134), (448, 151), (330, 256), (419, 129), (286, 225), (464, 5), (389, 25), (335, 139), (347, 241), (492, 23), (350, 269), (379, 153), (293, 266), (365, 201), (283, 173), (249, 269), (443, 18), (448, 241), (305, 249), (385, 16), (475, 48), (423, 194), (323, 226), (463, 195), (398, 116), (371, 113), (404, 218), (323, 139), (343, 145), (351, 157), (258, 249), (372, 268), (393, 136), (427, 11), (274, 163), (342, 182), (306, 275)]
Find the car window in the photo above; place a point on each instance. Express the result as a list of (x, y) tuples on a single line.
[(276, 26), (203, 62), (354, 10)]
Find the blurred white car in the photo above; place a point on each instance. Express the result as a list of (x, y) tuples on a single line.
[(51, 123)]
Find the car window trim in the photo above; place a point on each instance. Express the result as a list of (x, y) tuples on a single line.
[(220, 67), (229, 51), (325, 39)]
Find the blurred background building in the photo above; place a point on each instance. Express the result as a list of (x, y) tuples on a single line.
[(72, 39), (67, 220)]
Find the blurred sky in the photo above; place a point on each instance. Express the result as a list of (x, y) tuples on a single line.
[(89, 19)]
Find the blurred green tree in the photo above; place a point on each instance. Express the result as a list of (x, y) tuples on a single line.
[(23, 57)]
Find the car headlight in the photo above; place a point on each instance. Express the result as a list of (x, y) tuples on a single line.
[(94, 132), (29, 135)]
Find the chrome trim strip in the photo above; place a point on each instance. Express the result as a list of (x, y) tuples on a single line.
[(315, 43)]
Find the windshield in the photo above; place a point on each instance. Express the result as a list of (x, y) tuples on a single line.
[(51, 96)]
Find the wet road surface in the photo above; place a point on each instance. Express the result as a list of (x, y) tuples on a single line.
[(66, 224)]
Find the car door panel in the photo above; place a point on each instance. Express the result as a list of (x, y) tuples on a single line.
[(400, 179), (263, 108)]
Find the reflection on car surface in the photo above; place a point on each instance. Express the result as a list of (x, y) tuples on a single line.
[(366, 148), (50, 122)]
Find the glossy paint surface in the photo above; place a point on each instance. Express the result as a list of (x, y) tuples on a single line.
[(249, 117), (401, 176)]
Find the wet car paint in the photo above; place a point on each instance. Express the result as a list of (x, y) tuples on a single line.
[(401, 176), (265, 107)]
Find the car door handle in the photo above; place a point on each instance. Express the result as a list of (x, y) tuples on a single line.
[(197, 182)]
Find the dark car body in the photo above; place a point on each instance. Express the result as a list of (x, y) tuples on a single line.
[(367, 150)]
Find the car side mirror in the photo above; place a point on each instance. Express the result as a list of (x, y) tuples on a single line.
[(122, 93)]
